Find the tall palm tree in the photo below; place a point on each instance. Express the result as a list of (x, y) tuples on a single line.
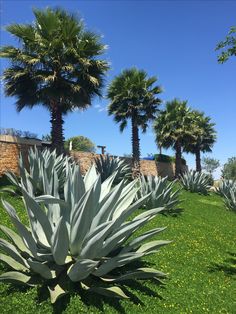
[(173, 129), (133, 97), (56, 65), (203, 136)]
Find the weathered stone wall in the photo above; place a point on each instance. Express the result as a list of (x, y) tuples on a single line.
[(10, 148), (148, 167)]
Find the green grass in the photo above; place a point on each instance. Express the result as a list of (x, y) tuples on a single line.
[(201, 263)]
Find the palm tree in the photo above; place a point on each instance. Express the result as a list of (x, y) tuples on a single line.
[(56, 66), (133, 96), (203, 137), (173, 129)]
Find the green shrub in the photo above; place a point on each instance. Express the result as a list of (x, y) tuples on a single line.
[(167, 158), (80, 235), (229, 169)]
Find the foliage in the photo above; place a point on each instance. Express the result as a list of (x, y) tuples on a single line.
[(47, 138), (172, 128), (230, 199), (58, 61), (195, 181), (41, 172), (107, 165), (80, 143), (19, 133), (224, 187), (81, 237), (229, 169), (202, 277), (210, 164), (203, 136), (161, 192), (228, 46), (167, 158), (133, 96)]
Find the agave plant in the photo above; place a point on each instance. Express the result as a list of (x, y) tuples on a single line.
[(82, 238), (107, 165), (225, 186), (39, 171), (160, 190), (195, 181), (230, 199)]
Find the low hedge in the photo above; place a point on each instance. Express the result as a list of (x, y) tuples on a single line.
[(167, 158)]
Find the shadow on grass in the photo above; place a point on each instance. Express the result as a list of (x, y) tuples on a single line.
[(228, 266), (173, 212), (132, 288)]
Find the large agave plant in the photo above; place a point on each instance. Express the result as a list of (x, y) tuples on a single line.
[(161, 192), (194, 181), (82, 238), (107, 165), (40, 170), (225, 186)]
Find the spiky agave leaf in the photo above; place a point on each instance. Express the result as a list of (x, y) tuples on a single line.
[(194, 181), (90, 238), (225, 186)]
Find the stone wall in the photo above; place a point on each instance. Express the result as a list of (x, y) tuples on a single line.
[(148, 167), (10, 148)]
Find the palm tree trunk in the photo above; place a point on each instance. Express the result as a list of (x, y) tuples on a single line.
[(135, 148), (57, 129), (178, 156), (198, 160)]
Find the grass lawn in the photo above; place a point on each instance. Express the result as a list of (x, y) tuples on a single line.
[(201, 263)]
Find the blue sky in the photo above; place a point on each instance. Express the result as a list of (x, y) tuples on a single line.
[(174, 40)]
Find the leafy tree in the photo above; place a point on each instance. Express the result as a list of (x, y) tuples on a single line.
[(210, 164), (203, 136), (228, 46), (80, 143), (47, 138), (57, 65), (133, 97), (173, 129), (229, 169)]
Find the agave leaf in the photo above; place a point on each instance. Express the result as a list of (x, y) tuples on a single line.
[(90, 177), (123, 233), (107, 204), (117, 261), (56, 292), (22, 230), (115, 292), (150, 213), (106, 185), (38, 219), (49, 199), (60, 242), (81, 269), (16, 239), (16, 277), (12, 251), (93, 245), (137, 241), (140, 273), (41, 269), (12, 178), (153, 245), (12, 263)]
